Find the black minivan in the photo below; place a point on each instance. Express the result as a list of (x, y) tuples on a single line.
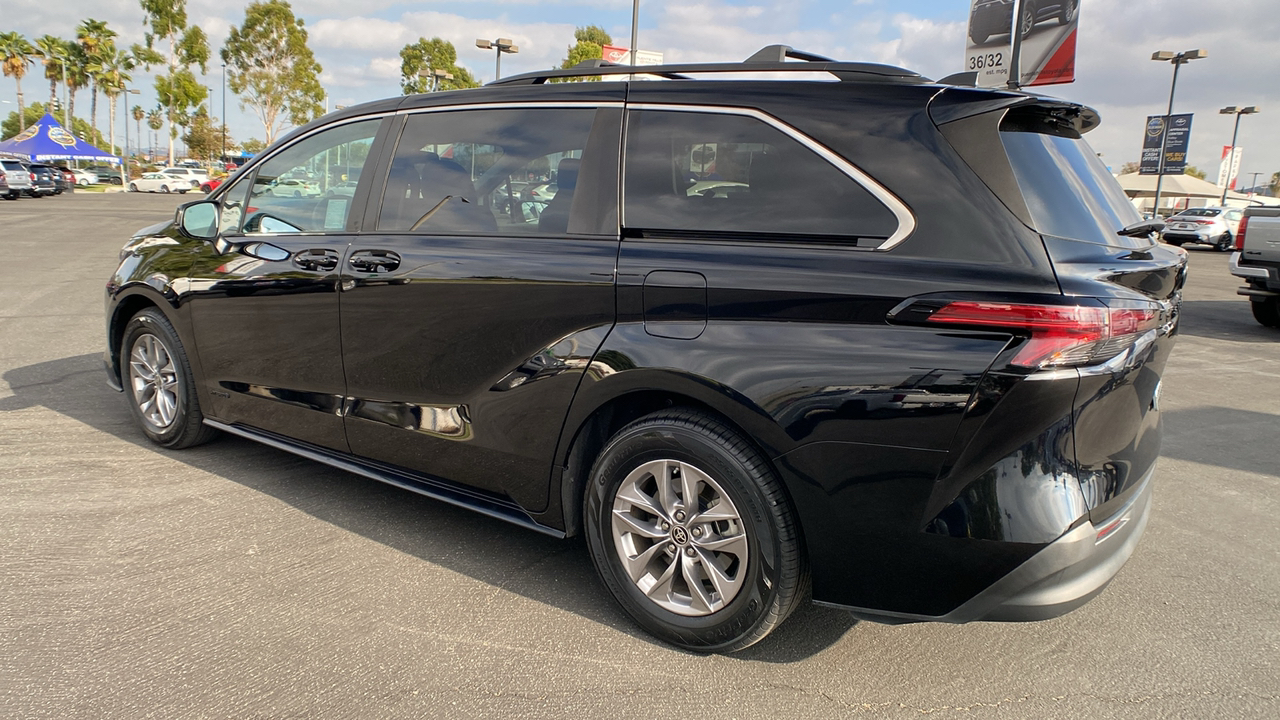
[(890, 343)]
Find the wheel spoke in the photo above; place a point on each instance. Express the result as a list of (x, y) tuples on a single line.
[(697, 593), (726, 586), (735, 545), (632, 524), (167, 407), (689, 481), (662, 584), (632, 494), (638, 566), (666, 492), (722, 510)]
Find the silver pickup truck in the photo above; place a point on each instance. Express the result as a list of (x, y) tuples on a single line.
[(1257, 260)]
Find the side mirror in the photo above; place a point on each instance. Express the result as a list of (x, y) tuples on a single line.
[(198, 220)]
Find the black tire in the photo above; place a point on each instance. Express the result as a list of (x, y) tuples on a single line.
[(1267, 312), (117, 181), (1028, 21), (1068, 11), (133, 187), (187, 427), (979, 36), (776, 575), (164, 188), (1226, 243)]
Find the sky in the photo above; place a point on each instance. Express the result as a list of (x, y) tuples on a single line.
[(357, 42)]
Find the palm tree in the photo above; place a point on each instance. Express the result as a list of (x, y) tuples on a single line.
[(77, 76), (115, 66), (15, 55), (138, 114), (95, 39), (155, 121), (52, 50)]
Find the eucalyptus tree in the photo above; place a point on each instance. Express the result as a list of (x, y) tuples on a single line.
[(16, 53), (178, 89), (427, 55), (271, 69)]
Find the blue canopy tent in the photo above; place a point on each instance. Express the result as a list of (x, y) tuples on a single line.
[(48, 140)]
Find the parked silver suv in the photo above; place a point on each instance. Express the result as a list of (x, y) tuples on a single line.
[(18, 176), (1214, 226)]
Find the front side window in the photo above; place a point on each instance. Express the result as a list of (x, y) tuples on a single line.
[(720, 173), (303, 188), (483, 172)]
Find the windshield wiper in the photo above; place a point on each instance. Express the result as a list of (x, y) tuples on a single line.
[(1142, 228)]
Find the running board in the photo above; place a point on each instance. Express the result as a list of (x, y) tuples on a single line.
[(432, 488)]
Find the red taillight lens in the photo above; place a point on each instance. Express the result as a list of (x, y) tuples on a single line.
[(1244, 224), (1060, 335)]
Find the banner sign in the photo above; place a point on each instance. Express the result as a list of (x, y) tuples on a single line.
[(1175, 148), (1047, 54), (1227, 170), (622, 56)]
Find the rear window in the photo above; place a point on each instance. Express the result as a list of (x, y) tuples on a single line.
[(1068, 191), (1201, 212)]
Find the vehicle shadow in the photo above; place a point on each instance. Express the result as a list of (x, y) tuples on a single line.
[(1224, 320), (558, 573), (1224, 437)]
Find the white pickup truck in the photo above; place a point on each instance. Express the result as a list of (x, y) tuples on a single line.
[(1257, 260)]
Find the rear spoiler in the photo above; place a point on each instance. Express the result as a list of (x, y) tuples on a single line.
[(956, 103)]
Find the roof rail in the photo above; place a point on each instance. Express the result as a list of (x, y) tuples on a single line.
[(780, 53), (853, 72)]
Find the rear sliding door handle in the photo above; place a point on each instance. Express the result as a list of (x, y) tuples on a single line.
[(316, 259), (374, 261)]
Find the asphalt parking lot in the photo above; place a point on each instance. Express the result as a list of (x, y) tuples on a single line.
[(234, 580)]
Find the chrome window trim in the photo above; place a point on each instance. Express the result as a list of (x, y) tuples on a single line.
[(906, 220)]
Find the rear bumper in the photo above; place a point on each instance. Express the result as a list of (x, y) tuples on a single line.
[(1264, 281), (1066, 574)]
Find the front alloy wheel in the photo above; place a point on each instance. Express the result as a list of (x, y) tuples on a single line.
[(153, 377)]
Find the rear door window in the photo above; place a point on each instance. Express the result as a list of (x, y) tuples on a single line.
[(714, 173), (1068, 191)]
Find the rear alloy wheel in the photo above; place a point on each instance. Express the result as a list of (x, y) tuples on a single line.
[(692, 533), (157, 378), (1068, 12), (133, 187), (1028, 19), (1226, 243), (1267, 312), (164, 188)]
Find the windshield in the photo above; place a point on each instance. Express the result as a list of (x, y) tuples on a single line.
[(1068, 190)]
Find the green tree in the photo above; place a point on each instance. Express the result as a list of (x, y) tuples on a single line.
[(590, 42), (204, 136), (15, 55), (1275, 185), (96, 40), (427, 55), (253, 146), (114, 67), (1194, 172), (155, 121), (178, 90), (1129, 167), (271, 69)]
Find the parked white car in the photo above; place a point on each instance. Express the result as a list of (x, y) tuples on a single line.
[(159, 182), (192, 176), (84, 177)]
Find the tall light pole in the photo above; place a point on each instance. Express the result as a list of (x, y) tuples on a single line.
[(127, 92), (1254, 182), (1177, 59), (635, 31), (502, 45), (223, 159), (1231, 156), (436, 75)]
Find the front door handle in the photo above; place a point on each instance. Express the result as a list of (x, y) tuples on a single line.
[(374, 261), (316, 259)]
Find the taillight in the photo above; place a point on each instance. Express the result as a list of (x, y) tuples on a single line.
[(1057, 335), (1244, 224)]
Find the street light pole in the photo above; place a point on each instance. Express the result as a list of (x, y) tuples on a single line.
[(1178, 59), (1254, 182), (224, 115), (1231, 154), (501, 45), (635, 30)]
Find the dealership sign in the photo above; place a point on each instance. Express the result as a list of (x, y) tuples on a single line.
[(1175, 148), (622, 56), (1047, 51)]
